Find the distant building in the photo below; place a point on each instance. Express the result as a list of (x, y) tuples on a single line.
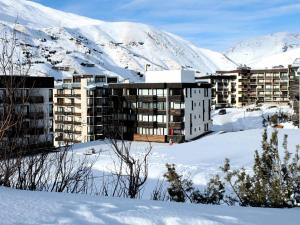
[(295, 89), (245, 86), (29, 102), (168, 107), (81, 106)]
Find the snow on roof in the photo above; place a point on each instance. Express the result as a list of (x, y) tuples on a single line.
[(296, 62)]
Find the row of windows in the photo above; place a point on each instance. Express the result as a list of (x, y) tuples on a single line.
[(199, 128), (153, 118), (152, 131), (190, 92)]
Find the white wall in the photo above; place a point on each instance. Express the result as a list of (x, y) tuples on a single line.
[(198, 125), (170, 76)]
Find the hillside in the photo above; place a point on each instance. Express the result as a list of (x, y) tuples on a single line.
[(65, 43), (267, 51)]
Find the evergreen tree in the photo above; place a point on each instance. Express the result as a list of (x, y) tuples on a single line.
[(274, 183)]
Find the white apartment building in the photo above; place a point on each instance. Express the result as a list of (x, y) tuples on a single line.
[(169, 106), (81, 106)]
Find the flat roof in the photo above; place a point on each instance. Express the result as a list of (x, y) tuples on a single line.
[(160, 85)]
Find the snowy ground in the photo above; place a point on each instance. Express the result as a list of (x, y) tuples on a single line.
[(202, 158), (37, 208), (237, 119), (199, 159)]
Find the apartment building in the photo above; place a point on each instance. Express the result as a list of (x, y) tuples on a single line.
[(168, 107), (295, 89), (81, 106), (27, 103), (245, 86)]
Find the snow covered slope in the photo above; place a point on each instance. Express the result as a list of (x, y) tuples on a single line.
[(35, 208), (267, 51), (66, 40)]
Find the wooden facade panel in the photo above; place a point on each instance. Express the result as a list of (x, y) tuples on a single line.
[(151, 138)]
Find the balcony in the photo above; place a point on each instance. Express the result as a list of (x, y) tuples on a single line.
[(67, 140), (67, 113), (177, 112), (67, 95), (176, 125), (176, 98), (68, 104), (36, 99), (145, 98), (68, 122), (147, 111), (132, 98), (147, 124), (36, 115)]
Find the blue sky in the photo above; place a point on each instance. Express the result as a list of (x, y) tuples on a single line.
[(214, 24)]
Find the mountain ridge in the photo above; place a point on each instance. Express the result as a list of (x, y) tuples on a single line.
[(66, 40)]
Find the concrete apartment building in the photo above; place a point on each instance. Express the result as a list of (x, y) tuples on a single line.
[(168, 106), (245, 86), (295, 89), (29, 101), (81, 106)]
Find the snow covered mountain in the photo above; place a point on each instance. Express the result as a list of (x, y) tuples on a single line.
[(267, 51), (66, 43)]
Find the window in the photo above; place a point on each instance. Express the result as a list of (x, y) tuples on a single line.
[(192, 105), (206, 92), (160, 92)]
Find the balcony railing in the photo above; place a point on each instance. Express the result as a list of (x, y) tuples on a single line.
[(145, 98), (176, 125), (177, 112), (67, 113), (68, 104), (68, 122), (147, 124), (36, 99), (176, 98), (67, 95)]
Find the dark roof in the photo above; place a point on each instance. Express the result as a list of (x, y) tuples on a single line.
[(215, 77), (27, 81)]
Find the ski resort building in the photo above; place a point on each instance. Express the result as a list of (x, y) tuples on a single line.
[(168, 107), (295, 89), (81, 108), (26, 104), (246, 86)]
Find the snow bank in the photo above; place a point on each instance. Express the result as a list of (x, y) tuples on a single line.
[(23, 207)]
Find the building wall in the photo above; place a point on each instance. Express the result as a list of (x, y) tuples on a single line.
[(34, 109), (197, 112), (80, 119), (161, 112), (170, 76)]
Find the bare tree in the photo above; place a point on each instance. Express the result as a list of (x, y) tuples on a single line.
[(133, 169)]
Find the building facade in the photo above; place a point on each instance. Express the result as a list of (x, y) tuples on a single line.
[(169, 106), (295, 89), (246, 86), (81, 106), (27, 103)]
